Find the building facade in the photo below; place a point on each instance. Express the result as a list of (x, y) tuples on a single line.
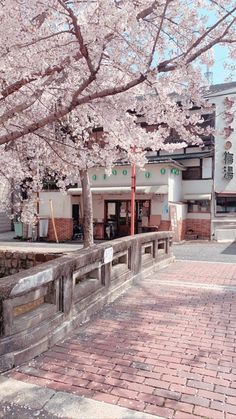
[(223, 214), (191, 191)]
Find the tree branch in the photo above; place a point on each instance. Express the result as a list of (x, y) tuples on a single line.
[(13, 88), (78, 34), (158, 32), (211, 44), (52, 117), (148, 11), (204, 35)]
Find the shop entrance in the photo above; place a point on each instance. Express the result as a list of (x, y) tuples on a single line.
[(118, 217)]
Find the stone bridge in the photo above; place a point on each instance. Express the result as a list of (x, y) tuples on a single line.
[(43, 304)]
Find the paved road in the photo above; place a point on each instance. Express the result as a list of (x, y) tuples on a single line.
[(166, 347), (206, 251)]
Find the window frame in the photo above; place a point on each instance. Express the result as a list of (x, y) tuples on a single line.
[(188, 168), (225, 198), (197, 202)]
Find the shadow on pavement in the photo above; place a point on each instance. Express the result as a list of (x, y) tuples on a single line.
[(230, 250)]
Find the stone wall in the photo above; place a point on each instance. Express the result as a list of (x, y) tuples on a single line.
[(13, 262)]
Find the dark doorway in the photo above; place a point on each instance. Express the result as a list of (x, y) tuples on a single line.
[(118, 216), (75, 213)]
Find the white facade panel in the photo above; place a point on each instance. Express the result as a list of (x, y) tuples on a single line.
[(197, 186), (207, 168), (198, 216), (181, 211), (191, 162), (62, 207), (121, 176), (175, 187)]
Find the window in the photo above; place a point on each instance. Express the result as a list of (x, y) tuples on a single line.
[(225, 204), (50, 185), (192, 173), (199, 206)]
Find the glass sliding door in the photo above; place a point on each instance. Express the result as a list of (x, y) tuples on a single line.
[(118, 217)]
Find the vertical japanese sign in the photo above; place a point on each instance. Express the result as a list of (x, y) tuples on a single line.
[(228, 165), (228, 155)]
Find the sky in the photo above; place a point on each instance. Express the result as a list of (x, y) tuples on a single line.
[(219, 72)]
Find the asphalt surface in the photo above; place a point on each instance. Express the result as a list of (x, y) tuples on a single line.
[(206, 251)]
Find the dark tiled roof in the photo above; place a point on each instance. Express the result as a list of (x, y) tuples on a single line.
[(218, 88)]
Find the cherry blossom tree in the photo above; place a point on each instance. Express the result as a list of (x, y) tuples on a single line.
[(86, 63), (84, 51), (80, 142)]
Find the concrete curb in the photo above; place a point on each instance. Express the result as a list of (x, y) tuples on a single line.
[(25, 400)]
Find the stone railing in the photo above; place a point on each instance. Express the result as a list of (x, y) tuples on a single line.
[(41, 305)]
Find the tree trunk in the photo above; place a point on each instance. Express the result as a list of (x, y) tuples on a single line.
[(87, 208)]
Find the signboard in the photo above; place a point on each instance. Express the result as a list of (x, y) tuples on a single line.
[(225, 145), (108, 255)]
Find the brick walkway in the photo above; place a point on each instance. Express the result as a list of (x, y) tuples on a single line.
[(167, 347)]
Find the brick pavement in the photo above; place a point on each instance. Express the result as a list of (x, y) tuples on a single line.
[(167, 347)]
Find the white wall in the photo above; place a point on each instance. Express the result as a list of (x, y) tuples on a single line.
[(157, 205), (181, 211), (207, 168), (62, 207), (191, 162), (198, 216), (175, 187), (197, 186), (165, 213), (160, 206), (156, 178), (98, 207)]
